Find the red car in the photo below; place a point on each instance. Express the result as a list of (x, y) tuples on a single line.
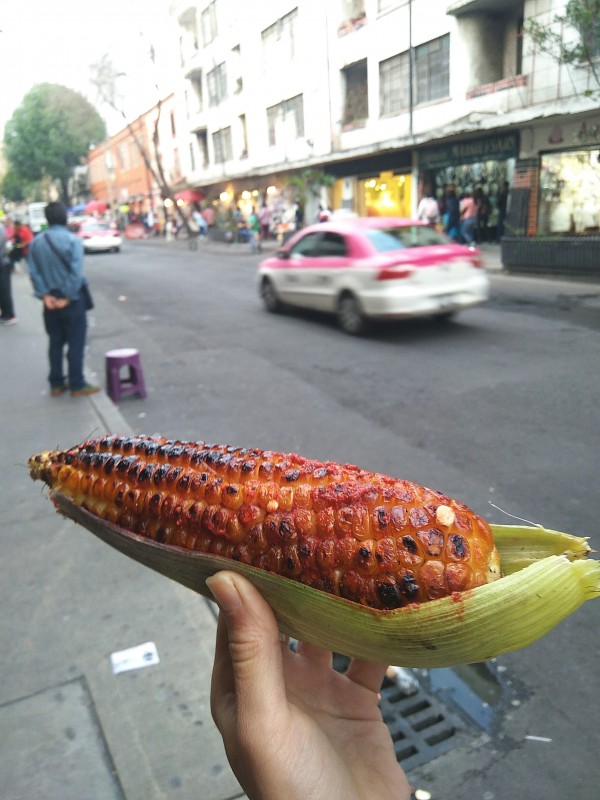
[(373, 268)]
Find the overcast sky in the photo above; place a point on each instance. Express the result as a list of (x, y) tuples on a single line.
[(55, 42)]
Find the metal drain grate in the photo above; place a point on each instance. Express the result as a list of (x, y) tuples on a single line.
[(421, 727)]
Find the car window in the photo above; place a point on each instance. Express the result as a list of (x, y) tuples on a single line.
[(90, 227), (401, 236), (332, 245), (307, 246)]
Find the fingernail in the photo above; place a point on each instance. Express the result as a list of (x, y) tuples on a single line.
[(225, 592)]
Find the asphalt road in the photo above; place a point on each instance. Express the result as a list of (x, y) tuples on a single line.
[(499, 406)]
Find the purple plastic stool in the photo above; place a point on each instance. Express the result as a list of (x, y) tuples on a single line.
[(116, 386)]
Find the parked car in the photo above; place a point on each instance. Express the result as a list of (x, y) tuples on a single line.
[(98, 236), (373, 268)]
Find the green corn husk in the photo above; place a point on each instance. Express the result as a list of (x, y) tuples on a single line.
[(546, 578)]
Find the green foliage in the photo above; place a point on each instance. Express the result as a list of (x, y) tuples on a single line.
[(13, 187), (308, 183), (583, 16), (49, 134)]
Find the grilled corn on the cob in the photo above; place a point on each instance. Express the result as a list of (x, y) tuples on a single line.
[(258, 512), (376, 540)]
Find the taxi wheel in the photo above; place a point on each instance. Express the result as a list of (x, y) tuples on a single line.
[(349, 315), (269, 297)]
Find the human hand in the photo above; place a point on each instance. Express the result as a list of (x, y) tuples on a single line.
[(292, 726), (53, 303)]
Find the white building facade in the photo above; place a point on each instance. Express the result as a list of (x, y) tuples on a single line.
[(390, 97)]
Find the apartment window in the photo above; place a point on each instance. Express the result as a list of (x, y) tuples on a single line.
[(351, 9), (394, 86), (591, 39), (135, 156), (285, 117), (236, 70), (356, 94), (216, 81), (279, 41), (244, 132), (192, 157), (123, 156), (432, 70), (197, 103), (222, 145), (202, 139), (208, 20)]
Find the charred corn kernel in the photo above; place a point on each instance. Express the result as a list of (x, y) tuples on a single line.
[(363, 536)]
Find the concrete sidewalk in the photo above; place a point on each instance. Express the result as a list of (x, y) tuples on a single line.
[(69, 728)]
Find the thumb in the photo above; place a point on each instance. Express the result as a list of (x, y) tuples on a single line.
[(249, 662)]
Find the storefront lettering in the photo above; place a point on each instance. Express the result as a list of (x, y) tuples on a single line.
[(493, 147)]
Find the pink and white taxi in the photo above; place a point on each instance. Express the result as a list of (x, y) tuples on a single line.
[(367, 268)]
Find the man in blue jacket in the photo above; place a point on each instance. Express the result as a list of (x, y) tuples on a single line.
[(56, 271)]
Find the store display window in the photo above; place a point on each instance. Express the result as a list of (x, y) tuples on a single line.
[(387, 196), (570, 193)]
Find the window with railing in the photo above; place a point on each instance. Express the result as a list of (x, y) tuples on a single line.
[(353, 16), (285, 119), (279, 41), (208, 21), (216, 81), (394, 86), (222, 145), (432, 70)]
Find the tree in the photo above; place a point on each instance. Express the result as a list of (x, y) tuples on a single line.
[(15, 188), (307, 183), (104, 76), (582, 17), (49, 134)]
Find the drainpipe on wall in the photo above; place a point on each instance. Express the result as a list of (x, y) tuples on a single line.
[(410, 71)]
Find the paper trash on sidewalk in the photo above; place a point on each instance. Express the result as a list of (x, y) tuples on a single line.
[(144, 655)]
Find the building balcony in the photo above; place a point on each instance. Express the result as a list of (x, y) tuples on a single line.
[(352, 24), (499, 97), (497, 86), (495, 7)]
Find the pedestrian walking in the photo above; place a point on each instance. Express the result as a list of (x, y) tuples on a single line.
[(20, 240), (200, 223), (468, 216), (429, 210), (254, 231), (56, 271), (264, 217), (7, 310)]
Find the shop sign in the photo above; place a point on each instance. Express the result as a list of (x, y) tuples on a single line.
[(472, 151)]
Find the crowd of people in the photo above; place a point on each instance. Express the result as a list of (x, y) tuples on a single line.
[(465, 218)]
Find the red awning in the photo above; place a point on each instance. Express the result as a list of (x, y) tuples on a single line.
[(189, 196)]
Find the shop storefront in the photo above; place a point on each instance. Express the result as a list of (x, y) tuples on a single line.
[(569, 194), (484, 163), (380, 185), (553, 224)]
